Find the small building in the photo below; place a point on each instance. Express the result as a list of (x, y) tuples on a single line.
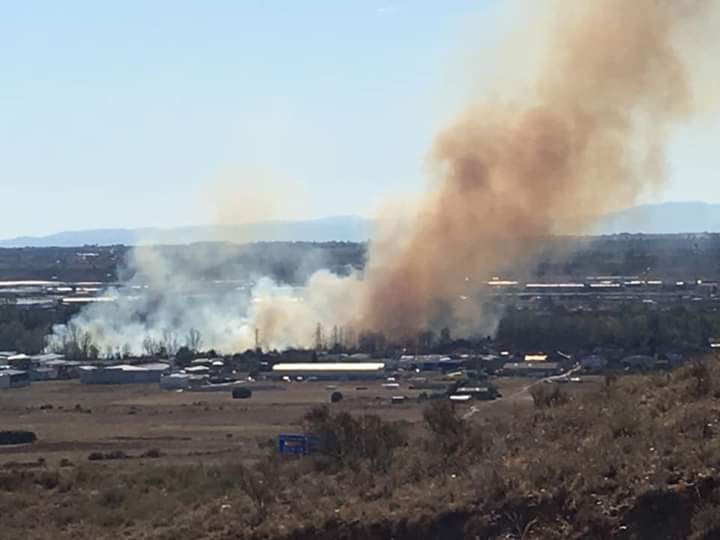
[(13, 378), (429, 362), (594, 362), (42, 373), (197, 370), (202, 362), (639, 362), (19, 361), (331, 371), (480, 393), (531, 369), (175, 381)]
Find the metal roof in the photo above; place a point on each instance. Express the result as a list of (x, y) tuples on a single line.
[(531, 365), (323, 366), (11, 372)]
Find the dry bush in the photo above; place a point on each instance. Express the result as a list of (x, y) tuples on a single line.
[(447, 429), (705, 522), (153, 453), (344, 440), (544, 397), (113, 496)]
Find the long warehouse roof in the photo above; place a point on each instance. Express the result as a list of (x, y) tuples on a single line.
[(330, 366)]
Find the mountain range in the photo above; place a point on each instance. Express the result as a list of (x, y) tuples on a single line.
[(665, 218)]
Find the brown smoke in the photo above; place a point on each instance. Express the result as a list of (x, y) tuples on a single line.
[(587, 137)]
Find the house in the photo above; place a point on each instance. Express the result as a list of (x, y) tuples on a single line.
[(13, 378)]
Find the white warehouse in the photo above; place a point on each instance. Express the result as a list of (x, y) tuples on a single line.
[(330, 370)]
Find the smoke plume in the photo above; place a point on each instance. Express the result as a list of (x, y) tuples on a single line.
[(579, 131), (586, 136)]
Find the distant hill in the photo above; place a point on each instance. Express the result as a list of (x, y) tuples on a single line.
[(666, 218), (336, 228)]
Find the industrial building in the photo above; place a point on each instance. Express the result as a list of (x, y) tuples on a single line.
[(429, 362), (123, 374), (330, 370)]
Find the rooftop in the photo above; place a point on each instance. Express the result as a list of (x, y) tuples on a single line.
[(330, 366), (531, 365)]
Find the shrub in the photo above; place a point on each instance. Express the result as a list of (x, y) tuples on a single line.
[(701, 379), (112, 497), (48, 479), (241, 393), (446, 427), (336, 397), (544, 398), (706, 521), (258, 487), (345, 439), (12, 480), (114, 454), (153, 453)]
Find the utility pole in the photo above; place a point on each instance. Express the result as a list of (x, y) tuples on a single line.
[(257, 338), (318, 337)]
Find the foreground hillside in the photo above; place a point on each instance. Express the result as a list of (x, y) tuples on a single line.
[(636, 458)]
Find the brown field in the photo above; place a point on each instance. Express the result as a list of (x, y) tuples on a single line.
[(628, 458), (195, 426)]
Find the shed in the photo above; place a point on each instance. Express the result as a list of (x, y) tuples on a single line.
[(175, 381), (14, 378)]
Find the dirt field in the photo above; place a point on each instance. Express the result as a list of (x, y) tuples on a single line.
[(72, 420)]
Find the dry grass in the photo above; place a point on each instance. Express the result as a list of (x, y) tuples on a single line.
[(637, 457)]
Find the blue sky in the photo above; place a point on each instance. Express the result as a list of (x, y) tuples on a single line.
[(145, 113)]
